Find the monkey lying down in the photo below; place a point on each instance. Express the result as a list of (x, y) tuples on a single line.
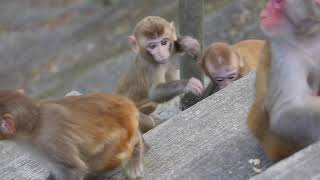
[(79, 137), (224, 63)]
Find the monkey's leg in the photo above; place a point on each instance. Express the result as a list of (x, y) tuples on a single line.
[(51, 177), (275, 147), (145, 123), (134, 166), (147, 108), (62, 172), (299, 123)]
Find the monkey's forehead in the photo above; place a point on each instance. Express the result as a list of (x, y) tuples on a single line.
[(155, 37)]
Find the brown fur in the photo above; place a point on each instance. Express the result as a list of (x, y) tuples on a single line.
[(92, 133), (241, 57), (247, 50), (250, 52), (149, 82), (136, 84), (275, 147), (213, 52)]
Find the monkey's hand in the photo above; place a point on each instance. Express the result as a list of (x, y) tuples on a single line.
[(189, 45), (194, 86)]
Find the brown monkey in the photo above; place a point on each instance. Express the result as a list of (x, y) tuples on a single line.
[(77, 136), (224, 63), (151, 79), (286, 112)]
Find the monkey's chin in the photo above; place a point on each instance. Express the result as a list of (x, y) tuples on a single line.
[(163, 61)]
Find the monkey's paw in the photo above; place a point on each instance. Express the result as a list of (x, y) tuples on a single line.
[(135, 171), (194, 86), (191, 46)]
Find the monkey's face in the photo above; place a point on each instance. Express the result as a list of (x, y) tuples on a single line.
[(224, 79), (159, 49), (222, 74), (284, 18), (271, 17), (7, 125)]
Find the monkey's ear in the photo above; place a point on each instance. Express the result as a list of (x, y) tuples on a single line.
[(173, 29), (132, 41), (8, 126), (21, 91)]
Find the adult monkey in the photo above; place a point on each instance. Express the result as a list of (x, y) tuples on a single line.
[(286, 112), (151, 79)]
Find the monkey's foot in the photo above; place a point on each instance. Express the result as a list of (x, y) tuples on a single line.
[(134, 169)]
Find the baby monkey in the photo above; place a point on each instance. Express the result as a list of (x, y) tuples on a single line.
[(78, 137), (224, 63), (151, 78)]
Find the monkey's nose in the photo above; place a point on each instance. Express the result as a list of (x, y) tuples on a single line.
[(263, 15)]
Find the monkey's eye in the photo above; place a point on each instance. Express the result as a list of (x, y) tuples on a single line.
[(219, 79), (232, 76), (152, 46), (164, 42), (278, 3)]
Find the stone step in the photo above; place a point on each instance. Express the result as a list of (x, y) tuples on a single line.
[(301, 165)]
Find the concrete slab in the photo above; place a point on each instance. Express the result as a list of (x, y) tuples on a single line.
[(301, 165)]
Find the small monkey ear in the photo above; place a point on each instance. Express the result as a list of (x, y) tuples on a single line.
[(132, 41), (8, 127), (173, 29), (21, 91)]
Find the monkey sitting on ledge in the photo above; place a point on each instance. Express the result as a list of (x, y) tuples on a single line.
[(285, 115), (79, 137), (151, 78)]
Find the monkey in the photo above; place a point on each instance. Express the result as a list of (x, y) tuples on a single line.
[(224, 63), (151, 79), (76, 137), (284, 116)]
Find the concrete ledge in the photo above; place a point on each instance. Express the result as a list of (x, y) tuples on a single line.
[(302, 165)]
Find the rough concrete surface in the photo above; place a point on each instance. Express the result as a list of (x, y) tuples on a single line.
[(301, 165)]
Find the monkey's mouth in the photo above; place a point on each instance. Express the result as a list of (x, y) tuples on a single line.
[(163, 61)]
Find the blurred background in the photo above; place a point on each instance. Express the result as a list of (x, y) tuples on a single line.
[(50, 47)]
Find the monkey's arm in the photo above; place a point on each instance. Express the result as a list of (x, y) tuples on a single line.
[(211, 88), (188, 45), (295, 115), (166, 91), (162, 90)]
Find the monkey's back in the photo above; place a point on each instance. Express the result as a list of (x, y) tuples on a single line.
[(98, 123), (250, 50)]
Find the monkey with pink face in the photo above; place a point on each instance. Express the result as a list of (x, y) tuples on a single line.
[(285, 115), (151, 78)]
